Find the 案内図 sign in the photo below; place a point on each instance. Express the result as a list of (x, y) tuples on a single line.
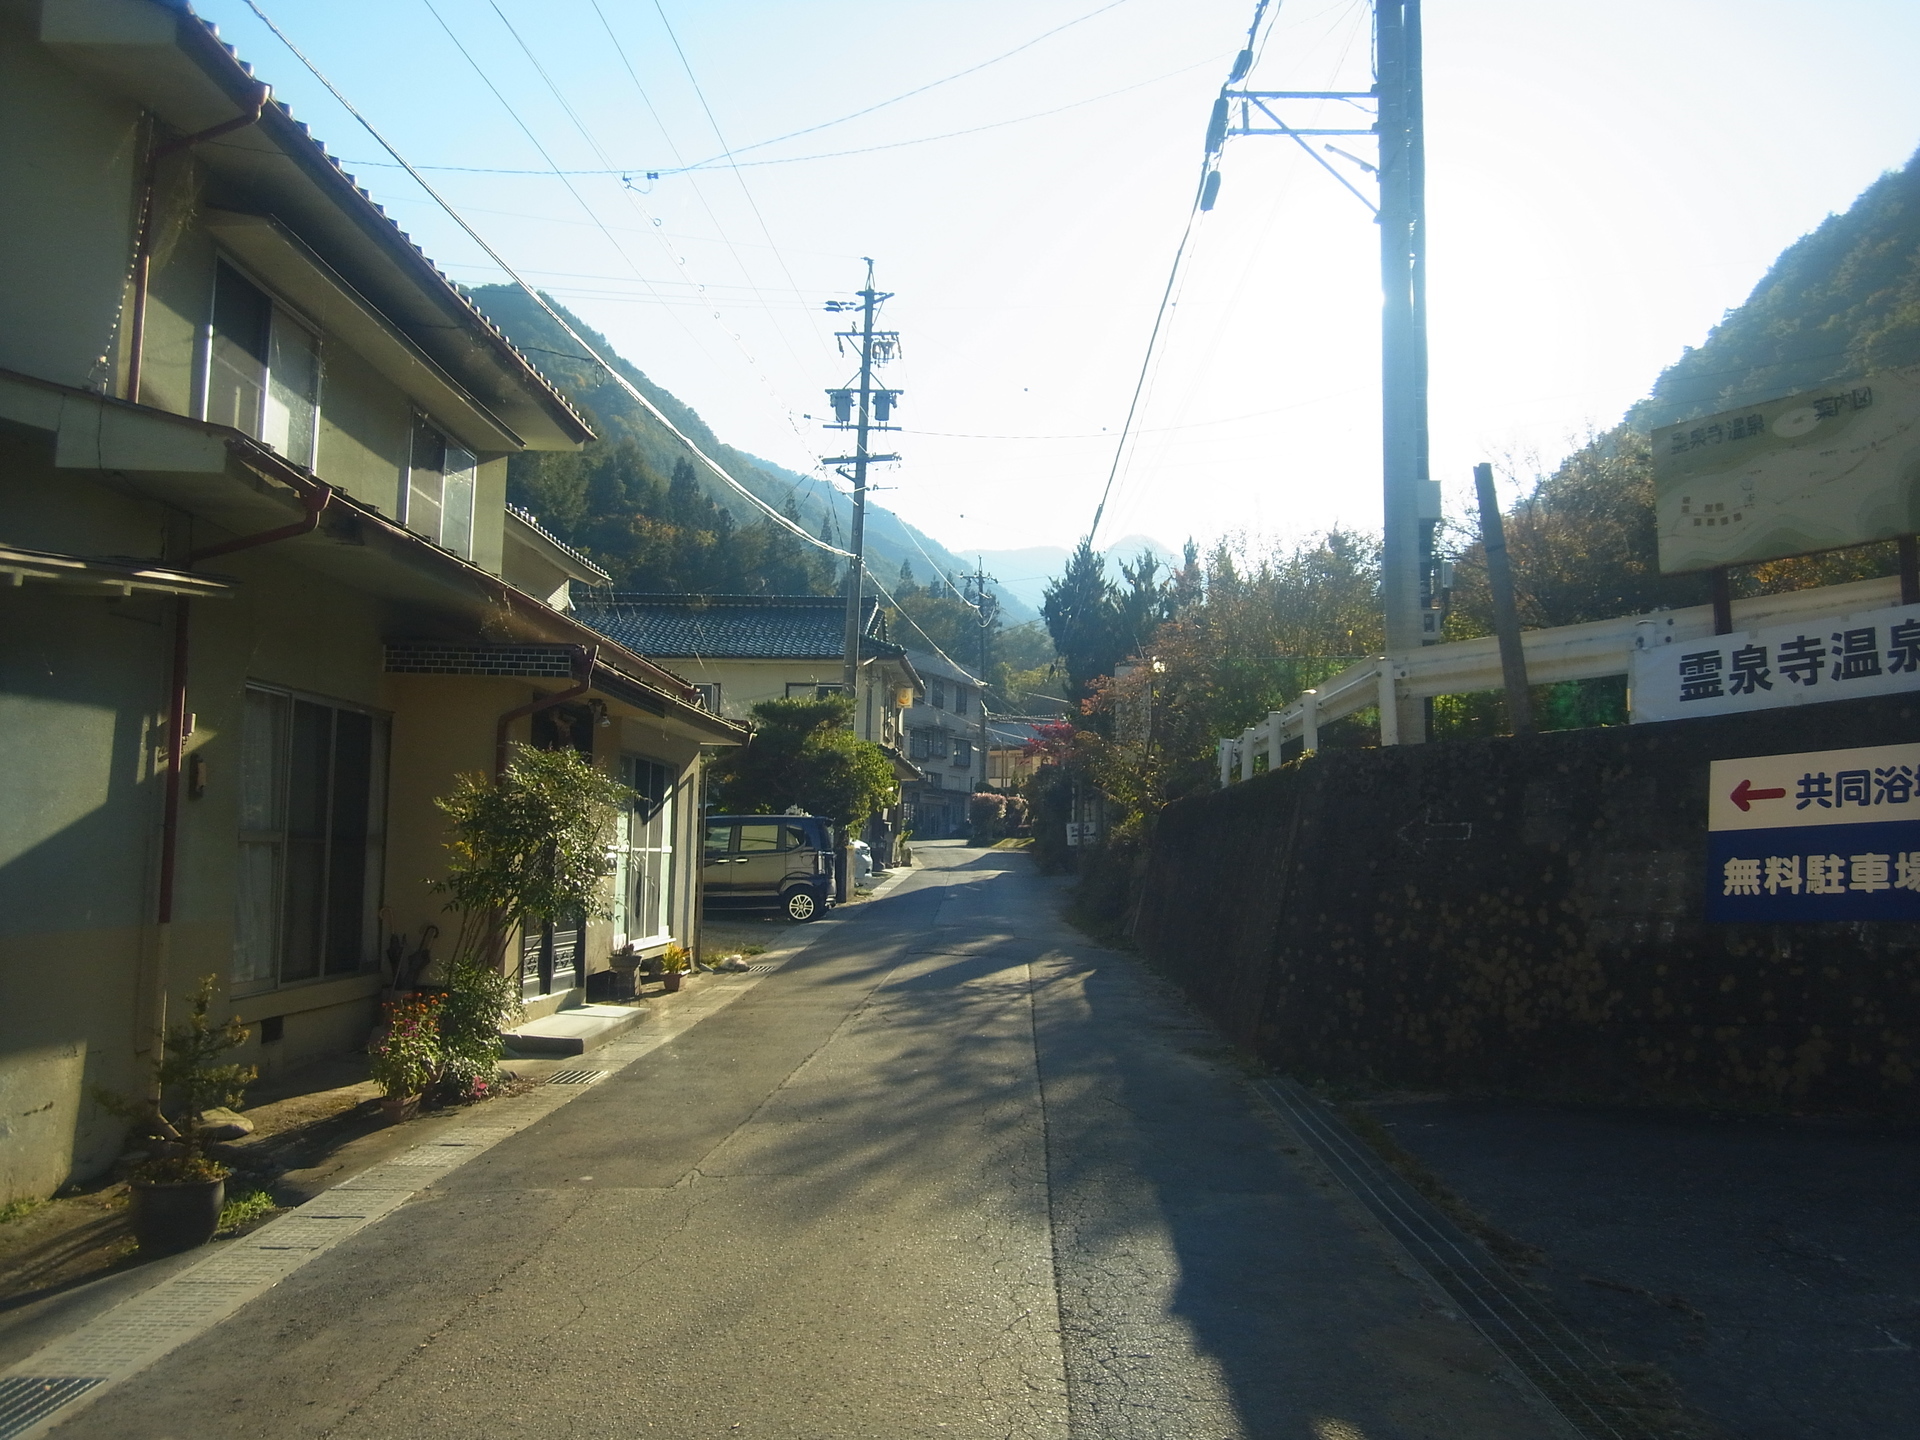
[(1813, 471), (1876, 652), (1827, 835)]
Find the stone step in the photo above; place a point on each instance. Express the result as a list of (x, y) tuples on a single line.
[(570, 1032)]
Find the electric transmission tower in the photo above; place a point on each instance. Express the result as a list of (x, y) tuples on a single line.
[(863, 408), (1410, 570)]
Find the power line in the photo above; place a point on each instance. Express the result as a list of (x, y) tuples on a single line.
[(633, 391), (717, 160), (1201, 202)]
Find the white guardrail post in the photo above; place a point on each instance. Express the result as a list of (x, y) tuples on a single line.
[(1310, 721), (1276, 737), (1246, 754), (1225, 749), (1389, 709)]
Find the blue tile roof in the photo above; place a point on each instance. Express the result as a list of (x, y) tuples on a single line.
[(727, 627)]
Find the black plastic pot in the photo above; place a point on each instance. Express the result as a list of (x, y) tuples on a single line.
[(171, 1218)]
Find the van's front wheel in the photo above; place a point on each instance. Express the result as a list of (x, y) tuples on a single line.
[(801, 905)]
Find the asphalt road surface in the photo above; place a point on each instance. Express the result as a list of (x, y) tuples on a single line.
[(954, 1171)]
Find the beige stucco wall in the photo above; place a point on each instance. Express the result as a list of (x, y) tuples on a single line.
[(745, 683), (69, 160)]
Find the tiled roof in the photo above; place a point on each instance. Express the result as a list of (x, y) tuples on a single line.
[(727, 627)]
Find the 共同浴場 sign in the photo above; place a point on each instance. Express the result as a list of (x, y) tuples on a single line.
[(1827, 835)]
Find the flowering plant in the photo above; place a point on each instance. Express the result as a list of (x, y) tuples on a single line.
[(407, 1057)]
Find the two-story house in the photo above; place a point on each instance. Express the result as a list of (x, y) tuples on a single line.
[(943, 739), (261, 598), (742, 649)]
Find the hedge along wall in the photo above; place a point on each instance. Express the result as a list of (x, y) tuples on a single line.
[(1526, 914)]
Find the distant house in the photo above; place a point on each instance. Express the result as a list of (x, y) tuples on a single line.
[(741, 649), (943, 739), (1008, 763), (261, 597)]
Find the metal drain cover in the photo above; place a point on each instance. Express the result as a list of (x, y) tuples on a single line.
[(762, 967), (575, 1077), (25, 1400)]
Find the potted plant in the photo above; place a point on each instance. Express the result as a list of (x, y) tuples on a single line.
[(178, 1190), (406, 1056), (674, 962)]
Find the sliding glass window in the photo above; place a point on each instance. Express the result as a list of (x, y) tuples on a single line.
[(312, 840)]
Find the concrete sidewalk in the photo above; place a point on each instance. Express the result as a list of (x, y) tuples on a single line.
[(952, 1171)]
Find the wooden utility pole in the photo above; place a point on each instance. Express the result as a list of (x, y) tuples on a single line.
[(1506, 616)]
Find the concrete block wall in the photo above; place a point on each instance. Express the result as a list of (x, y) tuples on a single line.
[(1527, 915)]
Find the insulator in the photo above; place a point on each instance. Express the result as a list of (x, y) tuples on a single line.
[(1210, 190), (1242, 63), (1217, 127)]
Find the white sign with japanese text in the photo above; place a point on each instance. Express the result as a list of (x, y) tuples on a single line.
[(1873, 653), (1820, 836)]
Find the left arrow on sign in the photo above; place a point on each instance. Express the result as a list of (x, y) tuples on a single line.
[(1744, 795)]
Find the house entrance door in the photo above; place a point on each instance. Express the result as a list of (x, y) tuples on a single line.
[(550, 959)]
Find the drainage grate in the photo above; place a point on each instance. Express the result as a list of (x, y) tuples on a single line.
[(762, 967), (575, 1077), (1578, 1382), (26, 1400)]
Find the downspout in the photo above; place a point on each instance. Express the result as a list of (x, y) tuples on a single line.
[(314, 497), (583, 662), (143, 242), (315, 500)]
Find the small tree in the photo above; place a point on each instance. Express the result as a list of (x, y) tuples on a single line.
[(190, 1081), (803, 753), (530, 848)]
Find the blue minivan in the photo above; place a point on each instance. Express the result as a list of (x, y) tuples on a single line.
[(760, 860)]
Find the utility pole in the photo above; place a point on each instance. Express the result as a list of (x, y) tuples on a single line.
[(1412, 597), (862, 409), (986, 609)]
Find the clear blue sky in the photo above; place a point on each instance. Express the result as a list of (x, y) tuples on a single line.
[(1604, 181)]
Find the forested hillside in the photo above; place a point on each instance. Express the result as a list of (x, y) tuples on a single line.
[(657, 521)]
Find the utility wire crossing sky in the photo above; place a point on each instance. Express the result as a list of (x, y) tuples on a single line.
[(1603, 183)]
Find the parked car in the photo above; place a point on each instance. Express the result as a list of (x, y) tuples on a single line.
[(760, 860)]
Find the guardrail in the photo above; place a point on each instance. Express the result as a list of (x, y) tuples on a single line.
[(1566, 652)]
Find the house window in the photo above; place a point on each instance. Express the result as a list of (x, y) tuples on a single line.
[(938, 740), (263, 368), (963, 752), (937, 692), (918, 747), (643, 855), (959, 699), (439, 498), (709, 698), (933, 779), (312, 840), (797, 690)]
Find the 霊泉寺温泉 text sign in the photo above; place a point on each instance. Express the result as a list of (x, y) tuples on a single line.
[(1873, 653)]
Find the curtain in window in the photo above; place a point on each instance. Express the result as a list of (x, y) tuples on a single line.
[(292, 408), (456, 503), (237, 355), (313, 805)]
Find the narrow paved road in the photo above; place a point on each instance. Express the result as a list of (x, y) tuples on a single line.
[(952, 1172)]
